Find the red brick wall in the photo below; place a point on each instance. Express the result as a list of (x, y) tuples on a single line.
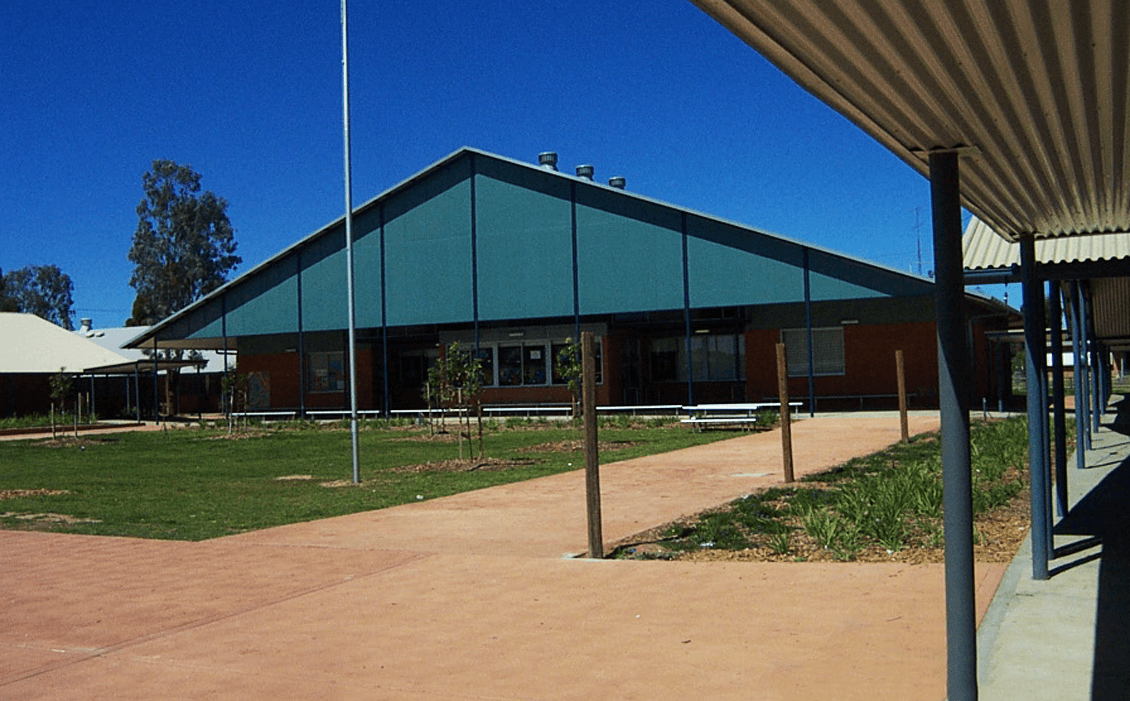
[(869, 359), (286, 382)]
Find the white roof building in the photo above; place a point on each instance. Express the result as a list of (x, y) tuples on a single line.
[(30, 345)]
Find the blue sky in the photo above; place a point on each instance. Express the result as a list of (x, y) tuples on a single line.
[(250, 96)]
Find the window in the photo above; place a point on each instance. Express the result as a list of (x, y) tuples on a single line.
[(325, 372), (714, 358), (414, 366), (560, 347), (509, 365), (533, 365), (827, 351), (717, 358), (560, 362), (665, 359), (486, 358), (527, 363)]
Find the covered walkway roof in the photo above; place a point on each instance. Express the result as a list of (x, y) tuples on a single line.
[(1035, 91), (1102, 260), (1015, 109)]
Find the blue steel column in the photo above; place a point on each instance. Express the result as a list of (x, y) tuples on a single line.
[(384, 319), (1034, 359), (808, 327), (1104, 376), (137, 390), (1077, 352), (1085, 375), (687, 311), (1094, 362), (1058, 408), (953, 383), (301, 336), (156, 400), (576, 274), (474, 262)]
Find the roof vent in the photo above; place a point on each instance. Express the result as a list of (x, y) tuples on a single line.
[(548, 160), (86, 326), (585, 172), (618, 182)]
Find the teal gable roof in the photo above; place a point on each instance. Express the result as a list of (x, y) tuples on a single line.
[(479, 237)]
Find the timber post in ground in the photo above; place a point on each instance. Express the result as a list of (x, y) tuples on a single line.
[(592, 457), (786, 415)]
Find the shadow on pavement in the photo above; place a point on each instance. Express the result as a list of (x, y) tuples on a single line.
[(1104, 514)]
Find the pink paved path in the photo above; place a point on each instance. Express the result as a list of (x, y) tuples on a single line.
[(468, 598)]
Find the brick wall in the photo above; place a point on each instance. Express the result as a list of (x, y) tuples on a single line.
[(869, 359)]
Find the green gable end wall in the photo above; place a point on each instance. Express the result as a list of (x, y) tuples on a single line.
[(482, 239), (428, 250), (725, 262), (524, 249)]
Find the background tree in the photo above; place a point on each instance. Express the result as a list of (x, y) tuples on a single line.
[(184, 245), (7, 304), (183, 248), (43, 290)]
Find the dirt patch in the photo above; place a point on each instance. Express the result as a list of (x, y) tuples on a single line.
[(466, 465), (438, 437), (294, 478), (71, 442), (576, 446), (240, 435), (21, 493), (334, 484), (997, 537), (45, 518)]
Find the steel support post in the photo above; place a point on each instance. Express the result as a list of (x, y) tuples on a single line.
[(156, 395), (953, 388), (1080, 397), (1085, 376), (1094, 362), (1034, 360), (1058, 407), (808, 331)]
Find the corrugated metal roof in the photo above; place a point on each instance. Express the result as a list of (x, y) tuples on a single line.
[(984, 249), (1038, 87), (30, 345), (1111, 299)]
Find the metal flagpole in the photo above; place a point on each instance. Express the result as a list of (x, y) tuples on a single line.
[(349, 242)]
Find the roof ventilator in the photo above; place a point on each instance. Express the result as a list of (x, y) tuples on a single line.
[(548, 160), (618, 182), (585, 171)]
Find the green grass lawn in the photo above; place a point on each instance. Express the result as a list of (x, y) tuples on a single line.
[(194, 484)]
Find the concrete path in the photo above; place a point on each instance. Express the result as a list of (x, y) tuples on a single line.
[(468, 597), (1068, 638)]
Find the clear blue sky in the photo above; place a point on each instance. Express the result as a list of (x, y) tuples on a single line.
[(249, 94)]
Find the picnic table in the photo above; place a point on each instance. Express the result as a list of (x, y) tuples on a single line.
[(743, 413)]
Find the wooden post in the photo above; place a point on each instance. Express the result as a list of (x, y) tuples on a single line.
[(905, 422), (786, 418), (592, 461)]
